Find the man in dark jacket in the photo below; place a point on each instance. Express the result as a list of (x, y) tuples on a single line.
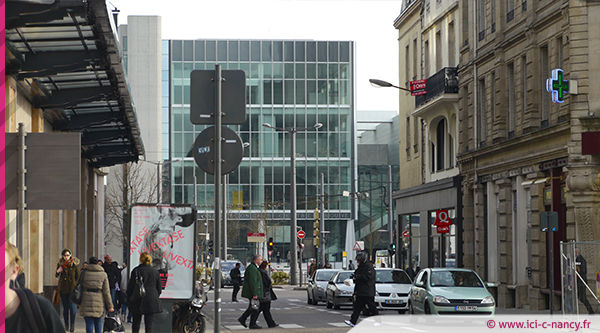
[(581, 267), (252, 289), (236, 280), (364, 289), (114, 274)]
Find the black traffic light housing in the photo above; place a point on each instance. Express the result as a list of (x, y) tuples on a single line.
[(210, 246), (392, 249), (270, 244)]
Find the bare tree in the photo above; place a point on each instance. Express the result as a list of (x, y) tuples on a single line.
[(130, 183)]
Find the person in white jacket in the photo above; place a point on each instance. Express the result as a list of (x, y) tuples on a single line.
[(123, 286)]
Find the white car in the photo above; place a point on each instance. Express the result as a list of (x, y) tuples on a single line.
[(338, 292), (392, 286)]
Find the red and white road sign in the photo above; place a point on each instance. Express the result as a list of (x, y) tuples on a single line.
[(270, 252), (256, 234), (405, 233), (442, 218), (359, 246), (301, 234), (443, 229)]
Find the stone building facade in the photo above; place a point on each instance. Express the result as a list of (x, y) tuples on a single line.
[(519, 153)]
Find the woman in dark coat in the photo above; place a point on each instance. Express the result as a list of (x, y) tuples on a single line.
[(265, 303), (150, 303), (67, 271)]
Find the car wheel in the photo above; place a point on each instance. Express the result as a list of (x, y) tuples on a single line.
[(308, 300), (427, 309), (401, 311), (314, 299), (335, 304), (329, 305), (411, 311)]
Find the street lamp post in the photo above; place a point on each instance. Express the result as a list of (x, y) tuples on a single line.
[(294, 222)]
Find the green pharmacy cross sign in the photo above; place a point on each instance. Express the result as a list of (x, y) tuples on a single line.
[(557, 85)]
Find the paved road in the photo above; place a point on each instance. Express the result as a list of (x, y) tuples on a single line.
[(290, 311)]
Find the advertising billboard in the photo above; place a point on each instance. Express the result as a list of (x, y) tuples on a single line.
[(167, 233)]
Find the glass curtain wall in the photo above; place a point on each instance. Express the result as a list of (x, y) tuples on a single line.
[(289, 84)]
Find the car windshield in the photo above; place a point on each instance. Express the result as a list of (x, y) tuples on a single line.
[(324, 275), (391, 276), (455, 279), (227, 266), (343, 276)]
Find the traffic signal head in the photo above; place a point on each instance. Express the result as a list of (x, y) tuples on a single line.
[(210, 246), (270, 244), (392, 249)]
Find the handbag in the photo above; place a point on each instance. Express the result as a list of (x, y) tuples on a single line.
[(139, 291), (254, 304), (267, 297), (77, 292)]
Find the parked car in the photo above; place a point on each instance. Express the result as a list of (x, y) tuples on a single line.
[(226, 267), (337, 292), (317, 284), (450, 291), (392, 286)]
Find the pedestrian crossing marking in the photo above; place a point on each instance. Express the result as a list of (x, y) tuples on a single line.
[(335, 312), (290, 326), (294, 300), (338, 324), (235, 327)]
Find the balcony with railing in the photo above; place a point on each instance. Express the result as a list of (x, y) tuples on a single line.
[(443, 82)]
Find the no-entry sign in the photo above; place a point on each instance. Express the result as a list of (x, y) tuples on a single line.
[(301, 234)]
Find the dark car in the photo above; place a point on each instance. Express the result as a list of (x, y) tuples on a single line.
[(339, 293)]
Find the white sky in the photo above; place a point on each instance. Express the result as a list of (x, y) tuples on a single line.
[(368, 23)]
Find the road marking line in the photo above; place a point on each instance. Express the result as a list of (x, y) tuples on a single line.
[(335, 312), (294, 300), (290, 326), (338, 324)]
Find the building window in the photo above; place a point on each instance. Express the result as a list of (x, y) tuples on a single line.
[(559, 53), (482, 112), (524, 83), (441, 145), (510, 10), (544, 75), (451, 45), (416, 136), (493, 99), (438, 51), (407, 66), (481, 18), (511, 100), (426, 59), (408, 136)]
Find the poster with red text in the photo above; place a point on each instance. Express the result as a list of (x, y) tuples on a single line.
[(167, 233)]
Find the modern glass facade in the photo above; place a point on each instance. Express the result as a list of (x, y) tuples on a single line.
[(289, 84)]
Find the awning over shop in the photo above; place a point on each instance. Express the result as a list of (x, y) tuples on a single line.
[(65, 56)]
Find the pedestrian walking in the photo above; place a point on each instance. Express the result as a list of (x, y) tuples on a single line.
[(96, 296), (236, 280), (150, 303), (351, 266), (123, 285), (252, 289), (364, 289), (278, 257), (410, 271), (269, 295), (20, 302), (112, 271), (67, 272), (581, 267)]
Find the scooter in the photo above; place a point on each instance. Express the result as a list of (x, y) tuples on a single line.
[(189, 313)]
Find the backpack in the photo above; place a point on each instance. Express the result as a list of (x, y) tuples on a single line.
[(112, 323)]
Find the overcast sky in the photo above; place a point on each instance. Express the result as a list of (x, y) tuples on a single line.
[(368, 23)]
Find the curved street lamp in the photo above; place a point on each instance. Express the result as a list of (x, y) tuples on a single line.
[(384, 84), (293, 222)]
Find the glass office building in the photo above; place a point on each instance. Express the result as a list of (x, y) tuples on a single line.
[(290, 83)]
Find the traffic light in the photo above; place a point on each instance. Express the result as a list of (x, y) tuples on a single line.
[(316, 227), (210, 246), (270, 244), (392, 249)]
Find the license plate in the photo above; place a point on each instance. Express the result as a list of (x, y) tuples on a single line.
[(393, 301), (466, 308)]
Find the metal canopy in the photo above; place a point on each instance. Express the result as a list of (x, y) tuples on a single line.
[(65, 56)]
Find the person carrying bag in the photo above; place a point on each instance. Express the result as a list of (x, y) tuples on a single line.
[(265, 303)]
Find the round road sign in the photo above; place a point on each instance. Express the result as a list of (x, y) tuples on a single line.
[(301, 234), (231, 153)]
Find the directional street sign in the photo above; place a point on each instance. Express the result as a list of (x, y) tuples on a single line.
[(202, 97), (204, 150), (405, 233)]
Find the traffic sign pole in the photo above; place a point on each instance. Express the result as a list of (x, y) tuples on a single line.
[(217, 165)]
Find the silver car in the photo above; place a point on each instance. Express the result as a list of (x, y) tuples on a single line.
[(392, 287), (317, 284), (339, 293)]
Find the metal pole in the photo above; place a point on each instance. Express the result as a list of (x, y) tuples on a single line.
[(390, 212), (217, 175), (551, 268), (158, 183), (22, 147), (224, 233), (293, 227), (322, 217)]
